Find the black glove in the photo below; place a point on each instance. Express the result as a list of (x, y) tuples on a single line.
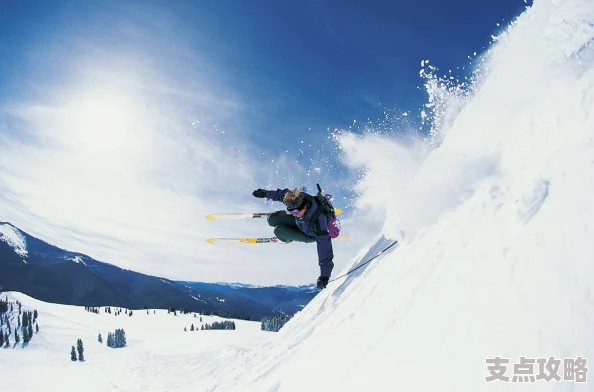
[(259, 193), (322, 282)]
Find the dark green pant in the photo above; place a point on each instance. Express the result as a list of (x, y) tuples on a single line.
[(286, 229)]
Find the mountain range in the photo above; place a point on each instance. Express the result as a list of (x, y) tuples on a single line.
[(48, 273)]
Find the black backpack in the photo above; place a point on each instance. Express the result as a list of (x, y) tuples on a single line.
[(325, 207)]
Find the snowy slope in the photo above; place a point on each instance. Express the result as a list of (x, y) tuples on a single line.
[(159, 356), (499, 216), (12, 236)]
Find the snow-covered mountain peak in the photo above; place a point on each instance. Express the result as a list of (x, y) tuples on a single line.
[(13, 237)]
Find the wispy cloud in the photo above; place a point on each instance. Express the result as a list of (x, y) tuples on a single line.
[(126, 154), (129, 134)]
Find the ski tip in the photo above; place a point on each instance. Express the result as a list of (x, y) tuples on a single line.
[(210, 217), (338, 211)]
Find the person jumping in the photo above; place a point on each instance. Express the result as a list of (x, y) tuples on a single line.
[(302, 221)]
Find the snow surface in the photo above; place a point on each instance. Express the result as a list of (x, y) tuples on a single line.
[(159, 356), (13, 237), (495, 259)]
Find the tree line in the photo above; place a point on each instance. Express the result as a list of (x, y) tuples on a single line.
[(224, 325)]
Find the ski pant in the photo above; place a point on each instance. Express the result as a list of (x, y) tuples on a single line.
[(286, 229)]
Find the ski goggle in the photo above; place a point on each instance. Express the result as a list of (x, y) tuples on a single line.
[(295, 212)]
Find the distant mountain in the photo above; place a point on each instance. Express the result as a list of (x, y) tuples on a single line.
[(48, 273), (287, 300)]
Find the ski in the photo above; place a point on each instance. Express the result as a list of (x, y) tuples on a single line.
[(248, 215), (259, 240)]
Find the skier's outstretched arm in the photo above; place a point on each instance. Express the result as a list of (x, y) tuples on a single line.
[(272, 195)]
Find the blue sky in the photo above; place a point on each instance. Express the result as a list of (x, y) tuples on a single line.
[(126, 122)]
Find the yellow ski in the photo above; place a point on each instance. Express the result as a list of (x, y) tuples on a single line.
[(248, 215), (259, 240)]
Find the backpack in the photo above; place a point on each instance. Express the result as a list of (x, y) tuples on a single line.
[(325, 207)]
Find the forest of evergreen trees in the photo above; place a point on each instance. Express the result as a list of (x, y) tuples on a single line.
[(92, 309), (221, 313), (227, 325), (273, 323), (116, 339), (22, 330), (107, 310)]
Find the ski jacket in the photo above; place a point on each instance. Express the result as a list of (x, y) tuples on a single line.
[(312, 229)]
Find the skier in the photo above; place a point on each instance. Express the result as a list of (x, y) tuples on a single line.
[(304, 222)]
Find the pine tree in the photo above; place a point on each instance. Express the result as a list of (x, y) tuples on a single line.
[(1, 338), (80, 349), (130, 314), (29, 331), (99, 338), (36, 328), (35, 315), (25, 335), (7, 340), (122, 338), (192, 327), (17, 338), (73, 354)]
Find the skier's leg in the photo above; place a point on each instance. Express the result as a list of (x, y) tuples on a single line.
[(286, 229), (288, 233), (281, 218)]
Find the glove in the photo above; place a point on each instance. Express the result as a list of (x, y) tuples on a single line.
[(322, 282), (259, 193)]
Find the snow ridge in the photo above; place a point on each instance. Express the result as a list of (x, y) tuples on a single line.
[(13, 237)]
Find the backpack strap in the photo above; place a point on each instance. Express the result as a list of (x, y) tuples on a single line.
[(315, 218)]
